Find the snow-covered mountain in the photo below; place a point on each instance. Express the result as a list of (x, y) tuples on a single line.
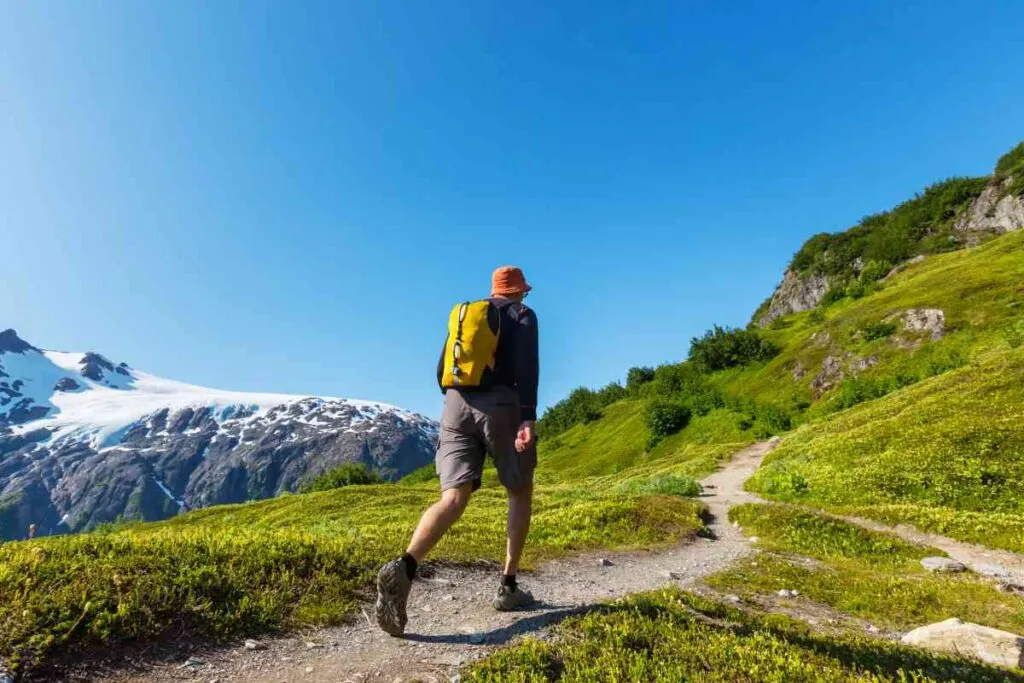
[(85, 440)]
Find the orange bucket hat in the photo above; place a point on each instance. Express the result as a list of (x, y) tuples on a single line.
[(508, 280)]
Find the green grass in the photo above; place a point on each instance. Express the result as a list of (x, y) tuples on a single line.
[(278, 564), (952, 443), (676, 636), (871, 575)]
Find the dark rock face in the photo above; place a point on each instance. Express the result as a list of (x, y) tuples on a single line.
[(66, 384), (93, 365), (11, 343), (203, 448), (172, 461)]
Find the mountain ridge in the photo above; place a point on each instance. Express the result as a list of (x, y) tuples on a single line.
[(86, 440)]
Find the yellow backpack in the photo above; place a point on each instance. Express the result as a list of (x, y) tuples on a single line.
[(473, 331)]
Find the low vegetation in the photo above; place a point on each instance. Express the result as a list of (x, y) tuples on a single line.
[(871, 575), (245, 569), (930, 452), (922, 225), (675, 636), (349, 474)]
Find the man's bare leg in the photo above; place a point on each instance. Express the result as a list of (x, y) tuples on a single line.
[(438, 519), (520, 509)]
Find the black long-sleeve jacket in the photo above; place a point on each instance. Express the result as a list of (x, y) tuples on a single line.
[(517, 360)]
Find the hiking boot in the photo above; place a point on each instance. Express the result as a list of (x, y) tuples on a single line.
[(508, 599), (393, 586)]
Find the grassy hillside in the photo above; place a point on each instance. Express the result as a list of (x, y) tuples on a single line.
[(281, 563), (676, 636), (924, 455)]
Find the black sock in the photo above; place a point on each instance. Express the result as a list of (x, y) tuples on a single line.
[(410, 566), (509, 580)]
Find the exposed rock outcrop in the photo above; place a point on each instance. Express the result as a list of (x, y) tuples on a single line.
[(990, 645), (795, 294), (995, 211)]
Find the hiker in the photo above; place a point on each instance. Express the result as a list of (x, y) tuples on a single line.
[(488, 372)]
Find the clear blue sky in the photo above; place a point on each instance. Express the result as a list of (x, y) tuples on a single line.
[(290, 196)]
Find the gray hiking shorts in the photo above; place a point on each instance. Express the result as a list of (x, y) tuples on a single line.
[(474, 424)]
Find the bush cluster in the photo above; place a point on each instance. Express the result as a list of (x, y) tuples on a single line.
[(582, 406), (1009, 165), (880, 330), (345, 475), (923, 224), (665, 418), (722, 347)]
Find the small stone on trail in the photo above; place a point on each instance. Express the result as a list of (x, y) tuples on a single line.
[(786, 593), (192, 661), (675, 576), (873, 629), (732, 598), (448, 597), (605, 562), (251, 644), (313, 646), (309, 669), (754, 539), (943, 565)]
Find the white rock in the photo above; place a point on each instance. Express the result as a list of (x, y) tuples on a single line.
[(251, 644), (732, 598), (873, 629), (605, 562), (754, 539), (192, 661), (786, 593), (990, 645), (944, 565)]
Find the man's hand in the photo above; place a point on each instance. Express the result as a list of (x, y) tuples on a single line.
[(526, 436)]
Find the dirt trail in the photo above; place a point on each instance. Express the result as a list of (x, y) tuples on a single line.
[(450, 618), (451, 621), (999, 564)]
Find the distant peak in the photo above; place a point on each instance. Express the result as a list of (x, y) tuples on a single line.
[(10, 342)]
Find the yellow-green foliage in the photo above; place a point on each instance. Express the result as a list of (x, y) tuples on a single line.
[(872, 575), (676, 636), (280, 563), (953, 442)]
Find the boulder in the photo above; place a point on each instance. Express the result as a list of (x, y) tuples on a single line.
[(989, 645), (943, 565)]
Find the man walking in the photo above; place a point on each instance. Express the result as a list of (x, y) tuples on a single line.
[(488, 370)]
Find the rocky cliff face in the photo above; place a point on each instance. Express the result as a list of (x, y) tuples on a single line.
[(794, 294), (995, 211), (84, 440)]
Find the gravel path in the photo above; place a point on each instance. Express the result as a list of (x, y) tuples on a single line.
[(450, 618), (998, 564)]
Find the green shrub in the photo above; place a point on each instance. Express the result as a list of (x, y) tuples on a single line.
[(920, 225), (582, 406), (881, 330), (637, 377), (816, 316), (663, 484), (874, 271), (834, 294), (664, 418), (349, 474), (722, 348), (1011, 164)]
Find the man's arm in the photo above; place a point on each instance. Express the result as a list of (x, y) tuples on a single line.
[(440, 364), (527, 363)]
